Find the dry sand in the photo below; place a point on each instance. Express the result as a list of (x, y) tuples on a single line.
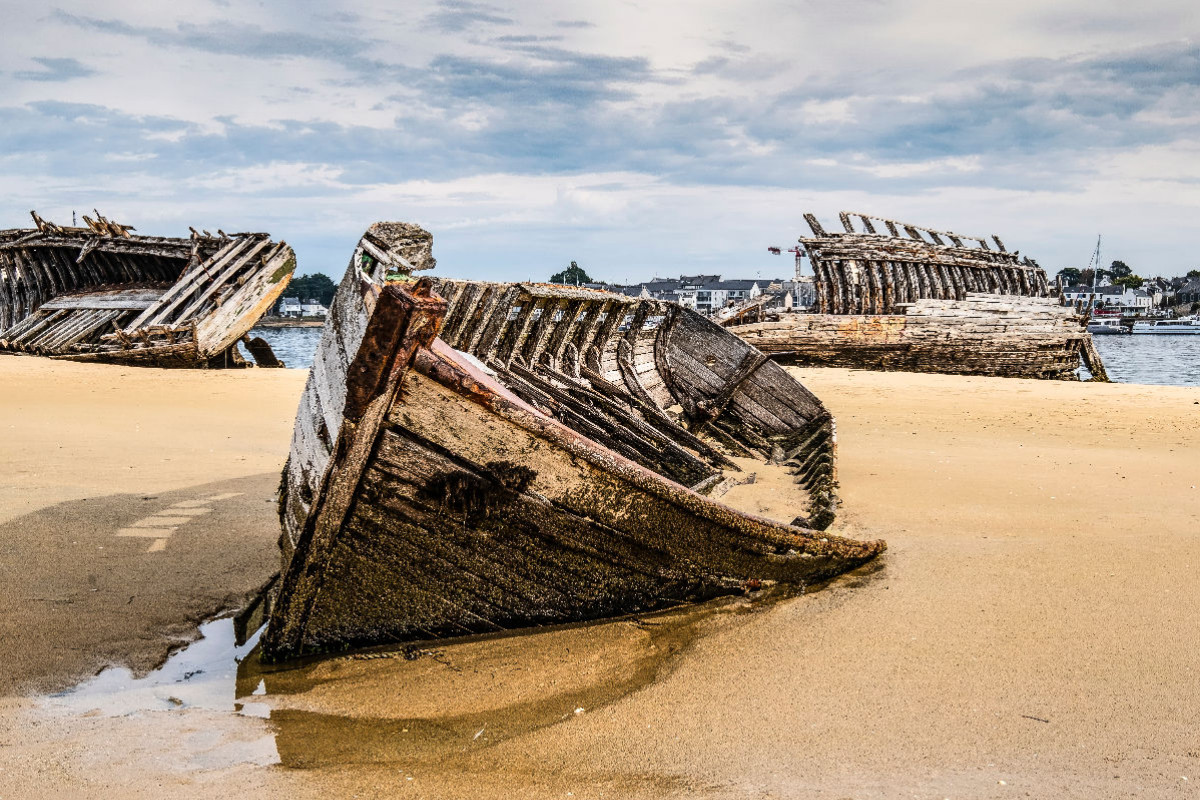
[(1031, 632)]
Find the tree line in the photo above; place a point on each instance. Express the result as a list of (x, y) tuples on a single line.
[(1120, 273), (321, 288), (317, 286), (573, 275)]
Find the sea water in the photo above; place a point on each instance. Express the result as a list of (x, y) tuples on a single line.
[(295, 347), (1151, 358), (1166, 360)]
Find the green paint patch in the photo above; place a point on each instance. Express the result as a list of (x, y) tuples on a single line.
[(288, 267)]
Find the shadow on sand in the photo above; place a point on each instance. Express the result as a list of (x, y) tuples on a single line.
[(124, 579)]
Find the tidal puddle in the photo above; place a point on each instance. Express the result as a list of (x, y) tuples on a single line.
[(184, 716), (201, 675), (419, 704)]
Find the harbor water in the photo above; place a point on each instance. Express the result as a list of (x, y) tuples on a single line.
[(295, 347), (1156, 359), (1164, 360)]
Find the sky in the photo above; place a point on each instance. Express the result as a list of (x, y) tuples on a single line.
[(636, 138)]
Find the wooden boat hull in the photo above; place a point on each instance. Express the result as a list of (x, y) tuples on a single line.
[(927, 301), (433, 491), (102, 294), (1018, 337), (870, 272)]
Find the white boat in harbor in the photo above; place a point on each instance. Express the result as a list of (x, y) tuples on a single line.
[(1105, 325), (1182, 326)]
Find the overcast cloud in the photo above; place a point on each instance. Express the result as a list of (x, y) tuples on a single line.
[(635, 138)]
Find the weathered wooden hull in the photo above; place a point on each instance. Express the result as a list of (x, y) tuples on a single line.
[(102, 294), (995, 335), (927, 301), (871, 272), (522, 478)]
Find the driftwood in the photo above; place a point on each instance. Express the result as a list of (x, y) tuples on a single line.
[(531, 465), (750, 310), (927, 301), (101, 293)]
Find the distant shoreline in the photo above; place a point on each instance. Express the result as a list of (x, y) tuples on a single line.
[(290, 322)]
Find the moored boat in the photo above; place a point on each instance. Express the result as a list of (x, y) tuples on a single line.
[(103, 293), (1105, 326), (1184, 326), (553, 456)]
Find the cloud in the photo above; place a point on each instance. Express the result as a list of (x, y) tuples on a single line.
[(216, 37), (245, 41), (626, 130), (56, 69), (457, 16), (549, 75)]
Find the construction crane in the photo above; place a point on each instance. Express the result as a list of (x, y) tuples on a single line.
[(1094, 263), (799, 251)]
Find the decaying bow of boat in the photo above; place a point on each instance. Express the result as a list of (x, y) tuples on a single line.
[(533, 465), (101, 293)]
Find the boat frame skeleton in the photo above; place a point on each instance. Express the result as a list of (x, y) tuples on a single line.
[(543, 460), (865, 272), (102, 293), (927, 301)]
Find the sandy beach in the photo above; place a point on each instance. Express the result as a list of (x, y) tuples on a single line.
[(1029, 633)]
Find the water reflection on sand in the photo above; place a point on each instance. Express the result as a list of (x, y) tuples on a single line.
[(410, 704)]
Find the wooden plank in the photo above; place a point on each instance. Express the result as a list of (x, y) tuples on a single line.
[(185, 286), (237, 313), (243, 260), (98, 303), (485, 343)]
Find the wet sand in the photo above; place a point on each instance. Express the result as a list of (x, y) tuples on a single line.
[(1030, 632), (133, 504)]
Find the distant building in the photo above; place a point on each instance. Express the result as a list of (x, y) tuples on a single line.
[(312, 308), (290, 307), (1119, 297), (803, 291), (295, 307), (704, 293), (1189, 292), (1161, 291)]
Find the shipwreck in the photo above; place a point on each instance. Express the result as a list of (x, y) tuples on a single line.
[(924, 301), (472, 457), (103, 293)]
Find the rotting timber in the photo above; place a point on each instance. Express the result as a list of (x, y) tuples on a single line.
[(102, 293), (926, 301), (545, 460)]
